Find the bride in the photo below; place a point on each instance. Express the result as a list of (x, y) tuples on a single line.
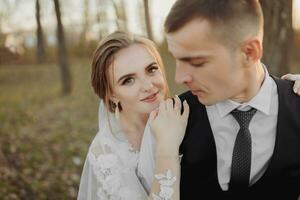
[(122, 162), (128, 76)]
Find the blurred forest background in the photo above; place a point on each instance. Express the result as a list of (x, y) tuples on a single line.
[(48, 111)]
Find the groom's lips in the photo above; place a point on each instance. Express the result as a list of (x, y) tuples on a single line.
[(197, 92)]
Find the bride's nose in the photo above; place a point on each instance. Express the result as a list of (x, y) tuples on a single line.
[(146, 85)]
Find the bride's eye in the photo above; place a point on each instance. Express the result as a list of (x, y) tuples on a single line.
[(152, 69), (128, 81)]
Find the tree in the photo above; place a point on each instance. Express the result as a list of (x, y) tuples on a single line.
[(62, 52), (40, 53), (6, 10), (278, 33), (121, 21), (85, 23), (148, 19)]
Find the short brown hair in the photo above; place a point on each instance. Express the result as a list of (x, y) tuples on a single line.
[(103, 58), (232, 18)]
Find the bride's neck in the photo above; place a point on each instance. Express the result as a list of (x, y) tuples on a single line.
[(133, 124)]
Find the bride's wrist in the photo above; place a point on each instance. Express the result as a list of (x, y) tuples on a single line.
[(162, 150), (167, 157)]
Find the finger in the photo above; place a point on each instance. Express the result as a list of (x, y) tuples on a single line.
[(177, 105), (291, 77), (162, 107), (286, 76), (186, 110), (173, 101), (296, 87), (153, 115), (169, 104)]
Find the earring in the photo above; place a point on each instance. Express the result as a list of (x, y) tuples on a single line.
[(117, 112)]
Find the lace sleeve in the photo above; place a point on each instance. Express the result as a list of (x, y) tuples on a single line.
[(101, 177), (96, 178), (166, 178), (106, 177), (166, 182), (88, 183)]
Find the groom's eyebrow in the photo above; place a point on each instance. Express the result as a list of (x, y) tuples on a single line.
[(189, 59)]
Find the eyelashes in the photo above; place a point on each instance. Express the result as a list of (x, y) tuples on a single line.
[(128, 81), (198, 64), (152, 69)]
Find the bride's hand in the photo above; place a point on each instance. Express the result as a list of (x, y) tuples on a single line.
[(168, 125), (296, 78)]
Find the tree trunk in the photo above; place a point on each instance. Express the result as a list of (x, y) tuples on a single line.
[(148, 20), (278, 34), (62, 53), (2, 36), (40, 51), (121, 15), (85, 23)]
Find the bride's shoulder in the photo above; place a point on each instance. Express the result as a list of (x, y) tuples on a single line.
[(95, 147), (100, 155), (100, 145)]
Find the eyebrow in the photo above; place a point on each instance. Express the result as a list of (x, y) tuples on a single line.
[(132, 74), (189, 59)]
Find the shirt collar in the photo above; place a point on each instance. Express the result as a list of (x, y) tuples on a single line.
[(261, 101)]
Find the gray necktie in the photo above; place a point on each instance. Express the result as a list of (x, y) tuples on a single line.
[(241, 157)]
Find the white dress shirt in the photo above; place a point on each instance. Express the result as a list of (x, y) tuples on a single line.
[(262, 128)]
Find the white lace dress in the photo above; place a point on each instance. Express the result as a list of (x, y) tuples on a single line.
[(110, 172)]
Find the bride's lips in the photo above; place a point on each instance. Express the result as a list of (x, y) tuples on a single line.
[(151, 98)]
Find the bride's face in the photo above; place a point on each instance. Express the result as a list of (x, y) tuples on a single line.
[(137, 80)]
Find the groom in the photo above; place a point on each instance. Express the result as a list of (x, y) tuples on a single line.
[(243, 136)]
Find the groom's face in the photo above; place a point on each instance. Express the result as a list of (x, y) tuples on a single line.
[(212, 71)]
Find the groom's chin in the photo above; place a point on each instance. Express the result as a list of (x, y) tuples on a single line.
[(206, 101)]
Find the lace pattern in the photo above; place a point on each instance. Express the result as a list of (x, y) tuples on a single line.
[(111, 168), (166, 181)]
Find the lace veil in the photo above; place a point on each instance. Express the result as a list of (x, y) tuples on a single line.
[(112, 170)]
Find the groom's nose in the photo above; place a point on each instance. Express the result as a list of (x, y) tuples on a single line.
[(182, 75)]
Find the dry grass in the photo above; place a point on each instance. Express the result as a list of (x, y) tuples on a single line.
[(44, 136)]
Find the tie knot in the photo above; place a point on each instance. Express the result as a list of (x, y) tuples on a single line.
[(243, 117)]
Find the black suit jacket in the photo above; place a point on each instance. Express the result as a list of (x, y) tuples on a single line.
[(199, 162)]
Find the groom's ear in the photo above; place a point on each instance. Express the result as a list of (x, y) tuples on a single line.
[(252, 50)]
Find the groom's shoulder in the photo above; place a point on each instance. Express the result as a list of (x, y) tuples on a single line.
[(185, 95), (188, 96), (191, 99), (285, 87), (286, 94)]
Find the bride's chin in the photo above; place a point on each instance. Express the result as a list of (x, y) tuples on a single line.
[(156, 105), (152, 107)]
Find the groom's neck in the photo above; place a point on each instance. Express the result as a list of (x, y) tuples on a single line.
[(253, 81)]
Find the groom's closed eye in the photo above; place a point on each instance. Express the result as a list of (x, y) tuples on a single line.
[(198, 64), (195, 62)]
